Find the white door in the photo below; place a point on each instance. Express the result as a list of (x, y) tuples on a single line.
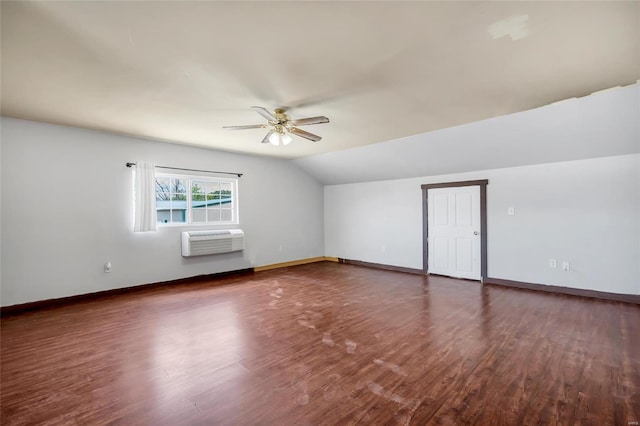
[(454, 231)]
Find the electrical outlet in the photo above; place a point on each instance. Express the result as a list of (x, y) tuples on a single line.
[(553, 263), (565, 265), (107, 267)]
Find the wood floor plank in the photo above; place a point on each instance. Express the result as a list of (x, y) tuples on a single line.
[(324, 344)]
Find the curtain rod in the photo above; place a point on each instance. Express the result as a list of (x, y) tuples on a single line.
[(192, 170)]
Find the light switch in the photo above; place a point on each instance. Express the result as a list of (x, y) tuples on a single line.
[(511, 211)]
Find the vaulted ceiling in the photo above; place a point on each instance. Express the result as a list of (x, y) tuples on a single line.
[(180, 71)]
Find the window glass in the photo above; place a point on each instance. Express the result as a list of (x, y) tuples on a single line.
[(195, 199)]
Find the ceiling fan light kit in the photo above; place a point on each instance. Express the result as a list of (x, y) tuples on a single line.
[(280, 126), (279, 138)]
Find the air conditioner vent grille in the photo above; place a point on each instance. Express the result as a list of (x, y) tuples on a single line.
[(200, 243)]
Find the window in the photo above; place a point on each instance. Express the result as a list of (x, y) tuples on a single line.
[(196, 200)]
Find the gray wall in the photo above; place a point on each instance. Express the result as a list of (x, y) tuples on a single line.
[(570, 169), (585, 211), (79, 178)]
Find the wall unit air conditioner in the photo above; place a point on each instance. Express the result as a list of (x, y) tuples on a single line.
[(199, 243)]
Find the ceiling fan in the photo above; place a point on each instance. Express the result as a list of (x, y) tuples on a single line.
[(280, 125)]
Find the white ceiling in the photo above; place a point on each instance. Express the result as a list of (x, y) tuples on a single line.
[(600, 125), (179, 71)]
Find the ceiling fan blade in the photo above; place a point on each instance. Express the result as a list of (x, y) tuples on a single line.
[(311, 120), (266, 138), (306, 135), (250, 126), (265, 113)]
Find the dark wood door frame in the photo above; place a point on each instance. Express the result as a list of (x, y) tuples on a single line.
[(483, 221)]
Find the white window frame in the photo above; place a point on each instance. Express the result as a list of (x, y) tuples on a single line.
[(189, 178)]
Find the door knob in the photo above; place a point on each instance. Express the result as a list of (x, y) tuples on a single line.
[(475, 233)]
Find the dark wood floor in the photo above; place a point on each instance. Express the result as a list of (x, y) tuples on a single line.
[(325, 344)]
